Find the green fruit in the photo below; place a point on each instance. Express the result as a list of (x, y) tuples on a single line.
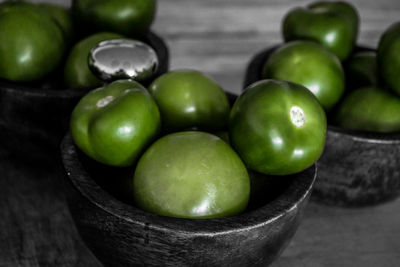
[(361, 70), (369, 109), (190, 99), (331, 24), (191, 175), (31, 43), (310, 65), (76, 70), (277, 127), (132, 18), (63, 17), (388, 57), (344, 8), (115, 123)]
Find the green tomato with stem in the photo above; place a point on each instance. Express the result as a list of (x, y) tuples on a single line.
[(334, 25), (277, 127), (115, 123)]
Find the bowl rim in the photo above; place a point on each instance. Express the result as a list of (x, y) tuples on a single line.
[(253, 71), (287, 202), (153, 39)]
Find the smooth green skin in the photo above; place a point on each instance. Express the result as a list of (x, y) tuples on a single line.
[(31, 43), (76, 70), (310, 65), (361, 70), (115, 123), (132, 18), (63, 17), (388, 57), (265, 134), (333, 25), (344, 8), (190, 99), (369, 109), (191, 175)]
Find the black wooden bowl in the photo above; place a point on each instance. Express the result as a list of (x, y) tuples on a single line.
[(119, 234), (33, 120), (357, 168)]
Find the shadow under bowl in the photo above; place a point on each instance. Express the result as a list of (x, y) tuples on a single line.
[(33, 120), (357, 168), (119, 234)]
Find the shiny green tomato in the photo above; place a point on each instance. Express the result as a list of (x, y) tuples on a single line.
[(388, 57), (31, 42), (310, 65), (63, 17), (190, 99), (361, 70), (369, 109), (277, 127), (191, 175), (345, 9), (331, 24), (76, 70), (131, 18), (115, 123)]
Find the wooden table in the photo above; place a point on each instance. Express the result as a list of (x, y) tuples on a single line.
[(217, 37)]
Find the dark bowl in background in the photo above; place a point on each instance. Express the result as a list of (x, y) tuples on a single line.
[(119, 234), (33, 120), (357, 168)]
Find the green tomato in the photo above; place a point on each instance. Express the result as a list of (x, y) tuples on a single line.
[(331, 24), (191, 175), (31, 43), (128, 17), (310, 65), (346, 9), (115, 123), (369, 109), (388, 57), (76, 70), (361, 70), (190, 99), (277, 127), (63, 17)]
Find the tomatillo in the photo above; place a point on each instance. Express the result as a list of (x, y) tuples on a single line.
[(310, 65), (31, 42), (277, 127), (115, 123), (191, 175), (132, 18), (369, 109), (190, 99), (388, 57), (76, 70), (331, 24)]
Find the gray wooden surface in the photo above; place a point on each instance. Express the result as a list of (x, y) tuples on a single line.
[(217, 37)]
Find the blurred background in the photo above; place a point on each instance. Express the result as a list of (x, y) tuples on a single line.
[(219, 37)]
